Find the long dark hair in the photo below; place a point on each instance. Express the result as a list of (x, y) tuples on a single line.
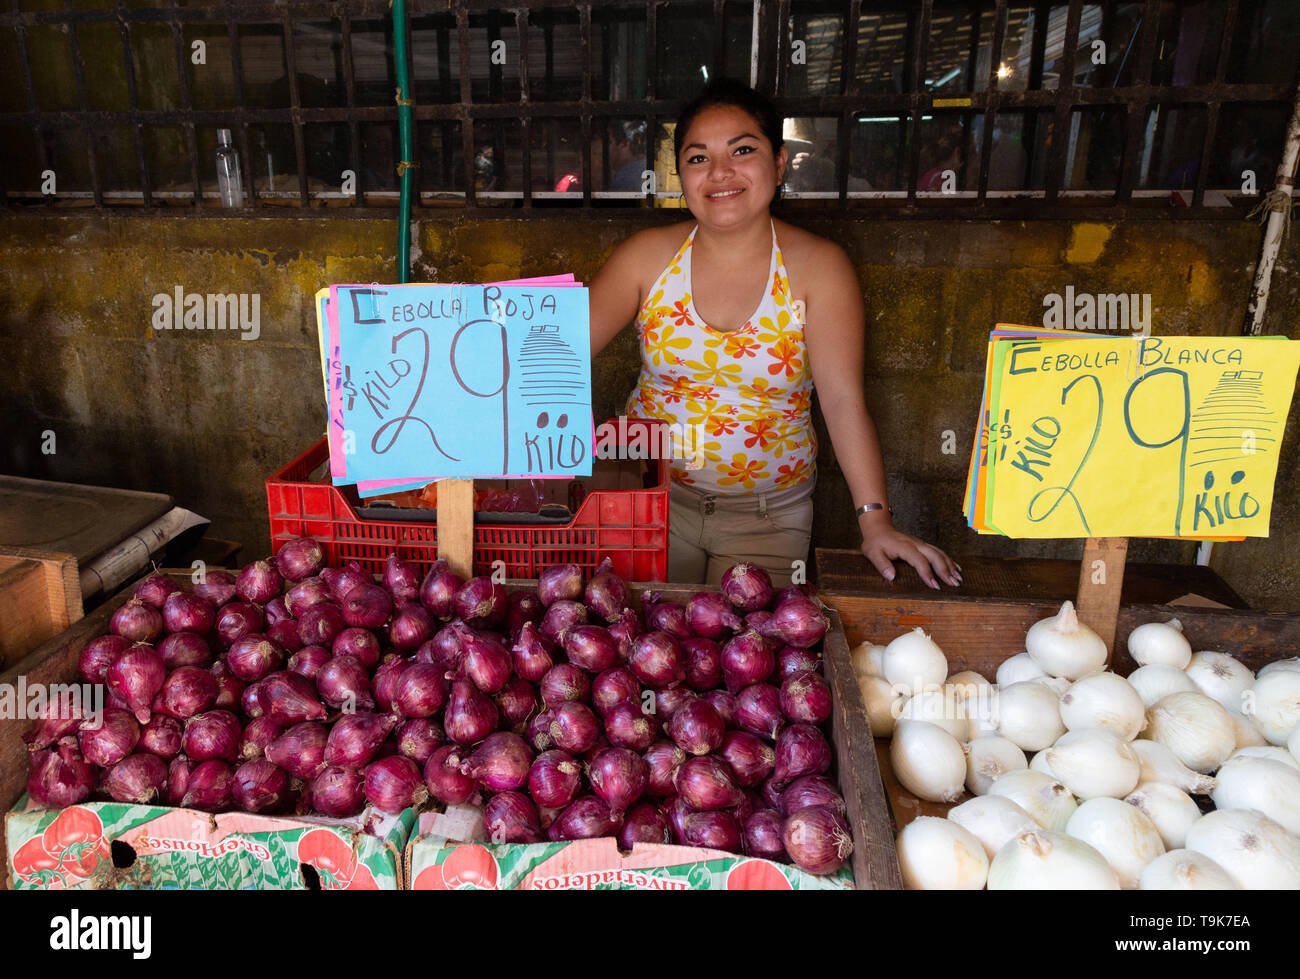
[(726, 91)]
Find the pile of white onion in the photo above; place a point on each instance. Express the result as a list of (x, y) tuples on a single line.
[(1068, 776)]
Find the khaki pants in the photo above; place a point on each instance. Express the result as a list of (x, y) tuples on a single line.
[(708, 534)]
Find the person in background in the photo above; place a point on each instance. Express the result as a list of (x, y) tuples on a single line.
[(738, 316)]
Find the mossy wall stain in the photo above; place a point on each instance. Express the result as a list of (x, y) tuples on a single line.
[(206, 416)]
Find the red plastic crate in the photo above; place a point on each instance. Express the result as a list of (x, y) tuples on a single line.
[(630, 527)]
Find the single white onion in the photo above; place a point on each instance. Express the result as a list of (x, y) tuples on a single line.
[(1065, 647), (937, 705), (1273, 703), (1160, 642), (1159, 764), (941, 855), (866, 658), (1220, 677), (928, 761), (988, 759), (1254, 850), (1018, 669), (1292, 664), (914, 662), (968, 683), (1039, 764), (1029, 715), (1095, 762), (882, 702), (1170, 808), (1157, 681), (1270, 751), (1048, 802), (1040, 860), (1185, 870), (1119, 832), (1262, 784), (1245, 732), (1195, 728), (1104, 700), (993, 820)]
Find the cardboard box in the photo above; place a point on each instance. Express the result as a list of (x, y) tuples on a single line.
[(119, 846)]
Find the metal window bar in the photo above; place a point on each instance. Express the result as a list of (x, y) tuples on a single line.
[(133, 100), (241, 127), (350, 96), (187, 105)]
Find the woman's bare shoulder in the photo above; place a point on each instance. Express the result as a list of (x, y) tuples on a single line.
[(809, 257)]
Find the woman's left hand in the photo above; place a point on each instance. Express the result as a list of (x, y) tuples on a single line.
[(883, 545)]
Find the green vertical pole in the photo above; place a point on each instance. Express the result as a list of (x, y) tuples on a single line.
[(407, 143)]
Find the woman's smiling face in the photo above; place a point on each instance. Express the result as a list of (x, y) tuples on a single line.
[(727, 168)]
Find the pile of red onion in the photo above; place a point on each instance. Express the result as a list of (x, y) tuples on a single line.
[(566, 713)]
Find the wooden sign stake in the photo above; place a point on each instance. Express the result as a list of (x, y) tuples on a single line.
[(456, 525), (1101, 579)]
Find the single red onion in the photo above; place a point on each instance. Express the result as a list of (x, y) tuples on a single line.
[(707, 783), (559, 582), (288, 698), (443, 778), (136, 676), (419, 737), (254, 657), (791, 661), (412, 626), (300, 558), (703, 663), (402, 579), (98, 656), (746, 660), (696, 727), (669, 701), (355, 739), (237, 620), (758, 710), (309, 661), (564, 683), (812, 790), (511, 817), (625, 627), (217, 586), (384, 683), (676, 810), (178, 780), (137, 622), (747, 587), (763, 835), (801, 749), (758, 622), (798, 621), (360, 643), (724, 703), (366, 606), (183, 612), (259, 786), (574, 727), (538, 732), (214, 734), (771, 793), (619, 776), (138, 778), (250, 701), (109, 741), (613, 687), (806, 590), (560, 617), (606, 593), (643, 823), (259, 582), (485, 661), (481, 603), (60, 776), (48, 730), (342, 580), (321, 624), (517, 701), (657, 660), (663, 758), (752, 759), (344, 683), (554, 778), (627, 727), (817, 839), (338, 792), (155, 589), (276, 611), (665, 616), (420, 691), (446, 648), (187, 691), (259, 733), (500, 763), (523, 607), (305, 594), (230, 689), (210, 786), (715, 831), (438, 590), (184, 649), (710, 617), (806, 697), (585, 818), (300, 750), (470, 715), (591, 648)]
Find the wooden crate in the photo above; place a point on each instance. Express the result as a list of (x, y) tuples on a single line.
[(40, 596)]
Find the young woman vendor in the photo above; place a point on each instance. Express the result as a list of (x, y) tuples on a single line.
[(739, 316)]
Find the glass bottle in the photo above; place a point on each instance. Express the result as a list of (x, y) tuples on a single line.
[(229, 181)]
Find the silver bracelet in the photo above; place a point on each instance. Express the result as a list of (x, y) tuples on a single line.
[(868, 507)]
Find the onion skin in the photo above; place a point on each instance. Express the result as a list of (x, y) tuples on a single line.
[(538, 732), (715, 830), (613, 687), (443, 778), (253, 657), (161, 737), (210, 786), (384, 683), (184, 649), (752, 760), (706, 783), (230, 689), (288, 698), (136, 676), (560, 582), (710, 616), (798, 622), (276, 611), (112, 740), (218, 587), (812, 790), (302, 596), (394, 783), (764, 836), (606, 593), (259, 733), (560, 617), (523, 607), (359, 643), (532, 654), (703, 663), (618, 776), (697, 728), (747, 587), (138, 779), (343, 580), (564, 683), (412, 626), (260, 786), (402, 579), (517, 702), (746, 660), (625, 627), (817, 840), (421, 691), (806, 698), (470, 715), (211, 736), (98, 656), (237, 620), (725, 704), (669, 701), (501, 763), (574, 728), (300, 750), (343, 681), (355, 739), (791, 661), (300, 558), (554, 779), (438, 590), (321, 624), (339, 792), (187, 691), (758, 710), (585, 818), (366, 606), (657, 660), (137, 622), (664, 616), (155, 589), (663, 758), (801, 749), (60, 777), (178, 780), (258, 583), (511, 817), (482, 603), (643, 822), (627, 727), (420, 737), (591, 648), (486, 662), (183, 612)]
